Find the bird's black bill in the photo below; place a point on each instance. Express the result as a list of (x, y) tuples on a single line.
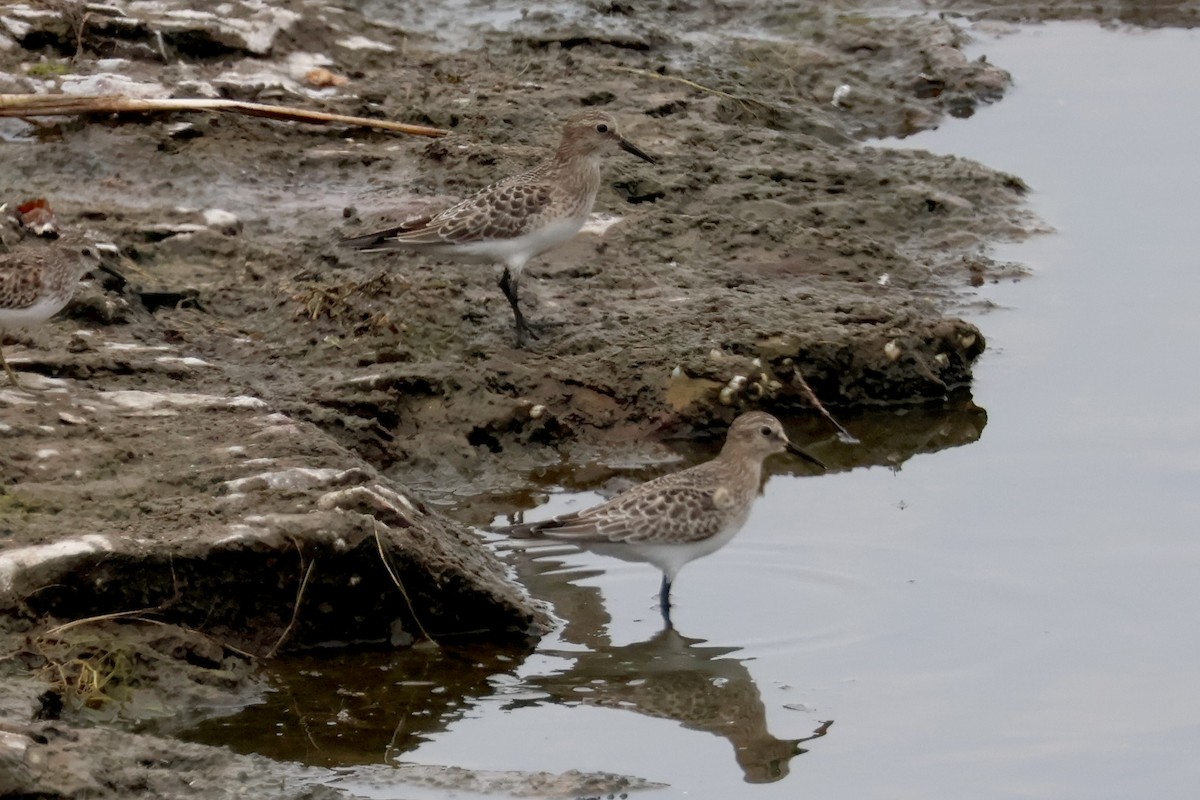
[(796, 451), (630, 148), (108, 260), (113, 272)]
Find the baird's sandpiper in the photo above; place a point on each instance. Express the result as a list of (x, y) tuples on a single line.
[(37, 279), (677, 518), (520, 217)]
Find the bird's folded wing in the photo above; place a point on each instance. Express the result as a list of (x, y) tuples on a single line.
[(25, 273), (499, 212), (676, 514)]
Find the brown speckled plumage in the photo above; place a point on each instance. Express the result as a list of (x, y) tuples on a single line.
[(519, 217), (36, 280), (676, 518)]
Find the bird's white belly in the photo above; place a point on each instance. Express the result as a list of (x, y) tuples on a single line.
[(39, 312), (670, 558), (513, 253)]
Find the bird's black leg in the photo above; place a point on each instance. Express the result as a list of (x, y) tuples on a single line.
[(509, 287), (664, 601), (12, 376)]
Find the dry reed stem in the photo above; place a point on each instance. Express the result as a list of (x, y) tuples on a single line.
[(295, 607), (645, 73), (99, 618), (811, 396), (396, 580), (745, 101), (37, 105)]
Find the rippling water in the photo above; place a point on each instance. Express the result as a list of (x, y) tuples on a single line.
[(987, 605)]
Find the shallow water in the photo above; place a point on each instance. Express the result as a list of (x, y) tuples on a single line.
[(1003, 606)]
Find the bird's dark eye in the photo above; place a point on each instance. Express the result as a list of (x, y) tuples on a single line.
[(765, 431), (601, 128), (87, 252)]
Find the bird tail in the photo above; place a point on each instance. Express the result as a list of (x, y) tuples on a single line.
[(410, 233), (525, 530), (376, 240)]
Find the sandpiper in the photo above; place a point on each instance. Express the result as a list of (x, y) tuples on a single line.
[(37, 280), (520, 217), (677, 518)]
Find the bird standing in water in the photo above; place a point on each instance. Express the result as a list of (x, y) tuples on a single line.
[(677, 518)]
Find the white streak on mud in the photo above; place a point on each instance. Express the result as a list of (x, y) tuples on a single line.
[(14, 562), (138, 401), (295, 479)]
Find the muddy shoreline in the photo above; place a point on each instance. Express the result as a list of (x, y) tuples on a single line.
[(245, 447)]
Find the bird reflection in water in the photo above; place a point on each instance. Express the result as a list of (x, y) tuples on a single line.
[(670, 676)]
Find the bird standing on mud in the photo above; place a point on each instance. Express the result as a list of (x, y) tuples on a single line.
[(520, 217), (37, 279)]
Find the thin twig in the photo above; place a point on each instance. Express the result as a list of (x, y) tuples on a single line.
[(659, 76), (807, 391), (35, 105), (295, 608), (236, 650), (98, 618), (926, 370), (303, 720), (79, 36), (744, 100), (396, 580), (391, 745)]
